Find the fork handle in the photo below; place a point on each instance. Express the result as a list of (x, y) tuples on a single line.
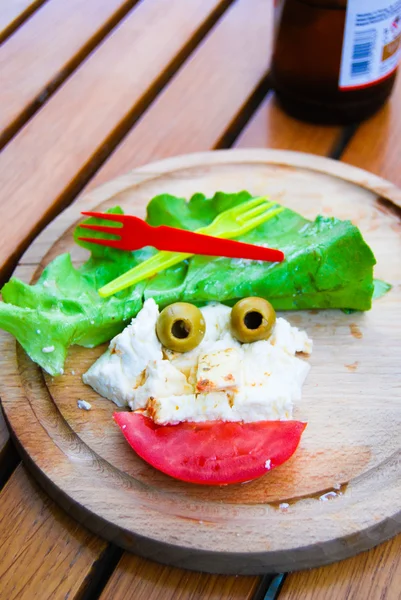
[(147, 268), (167, 238)]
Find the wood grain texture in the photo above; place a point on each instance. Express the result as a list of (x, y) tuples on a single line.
[(43, 164), (85, 464), (44, 553), (272, 128), (13, 13), (46, 49), (374, 575), (206, 95), (376, 145), (140, 579)]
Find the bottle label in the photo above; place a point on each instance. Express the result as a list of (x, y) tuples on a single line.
[(372, 42)]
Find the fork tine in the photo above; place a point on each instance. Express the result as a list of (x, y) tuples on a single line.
[(254, 212), (259, 219), (103, 228), (102, 242), (106, 216), (245, 206)]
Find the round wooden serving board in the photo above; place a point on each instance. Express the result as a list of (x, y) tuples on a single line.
[(351, 399)]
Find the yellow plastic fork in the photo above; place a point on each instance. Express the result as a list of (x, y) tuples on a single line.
[(231, 223)]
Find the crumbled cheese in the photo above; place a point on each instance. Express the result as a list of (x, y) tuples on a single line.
[(84, 405), (289, 338), (38, 331), (48, 349), (268, 464), (118, 372), (284, 506), (72, 372)]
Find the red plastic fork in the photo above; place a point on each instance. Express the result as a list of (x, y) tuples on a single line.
[(136, 233)]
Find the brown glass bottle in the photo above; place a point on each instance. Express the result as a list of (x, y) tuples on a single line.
[(306, 66)]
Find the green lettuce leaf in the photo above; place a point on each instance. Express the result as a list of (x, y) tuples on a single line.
[(327, 265)]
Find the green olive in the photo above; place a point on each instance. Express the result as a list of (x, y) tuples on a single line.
[(180, 327), (252, 319)]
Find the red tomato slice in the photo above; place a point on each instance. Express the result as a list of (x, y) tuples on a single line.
[(212, 453)]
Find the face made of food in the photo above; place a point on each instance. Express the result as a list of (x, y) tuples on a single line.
[(221, 379)]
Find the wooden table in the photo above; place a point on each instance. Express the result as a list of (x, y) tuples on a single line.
[(90, 89)]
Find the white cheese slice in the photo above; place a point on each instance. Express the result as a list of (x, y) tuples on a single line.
[(162, 379), (217, 406), (220, 370), (197, 408)]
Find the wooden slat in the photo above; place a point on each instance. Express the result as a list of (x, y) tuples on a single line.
[(141, 579), (43, 165), (13, 13), (376, 146), (374, 575), (44, 554), (272, 128), (46, 48), (206, 96)]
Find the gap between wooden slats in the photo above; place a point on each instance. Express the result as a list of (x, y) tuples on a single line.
[(13, 13), (46, 49), (44, 165)]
